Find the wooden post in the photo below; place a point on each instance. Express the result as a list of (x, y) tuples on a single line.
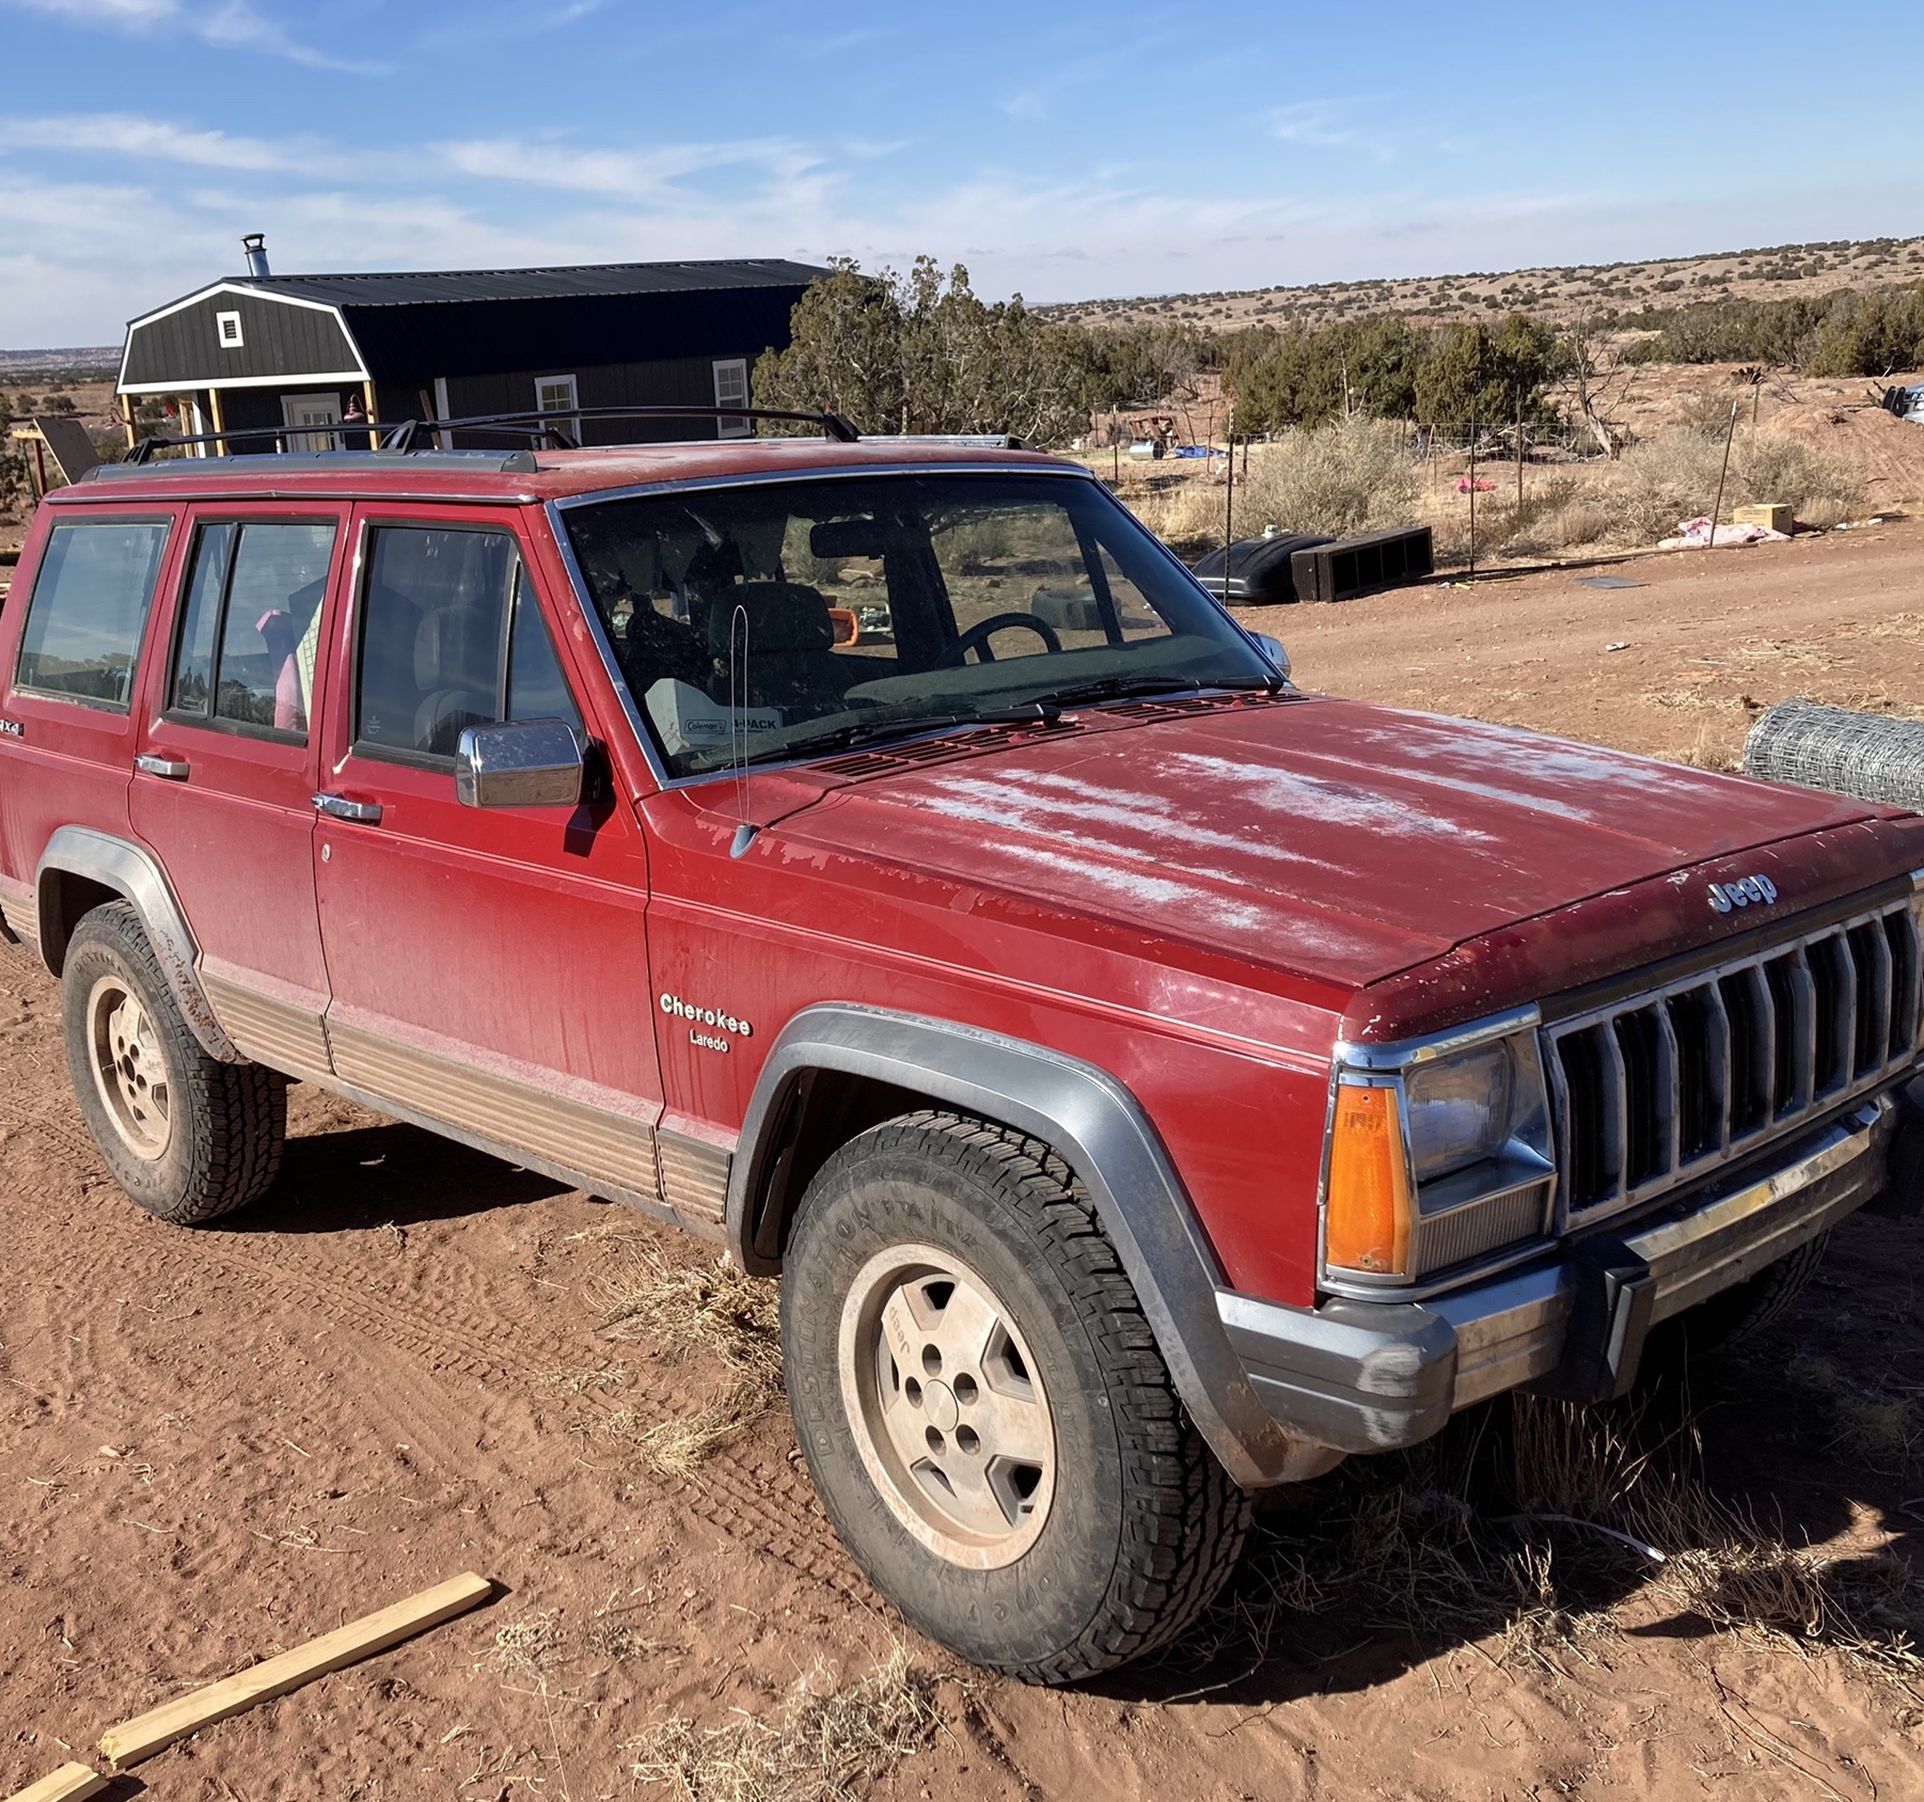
[(1717, 506), (127, 419), (71, 1783), (1519, 454), (367, 400), (39, 468), (1472, 481), (219, 418), (141, 1738), (1229, 509)]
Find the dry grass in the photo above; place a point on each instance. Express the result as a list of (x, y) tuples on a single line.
[(1868, 1426), (713, 1310), (1343, 479), (821, 1748), (1358, 476), (532, 1645), (1672, 477), (1529, 1526)]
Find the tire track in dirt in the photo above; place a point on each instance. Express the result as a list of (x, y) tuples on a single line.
[(753, 1499)]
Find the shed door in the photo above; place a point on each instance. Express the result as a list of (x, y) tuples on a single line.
[(312, 410)]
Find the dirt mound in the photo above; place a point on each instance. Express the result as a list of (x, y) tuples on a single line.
[(1889, 450)]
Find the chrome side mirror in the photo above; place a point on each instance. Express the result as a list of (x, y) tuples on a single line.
[(1272, 648), (520, 763)]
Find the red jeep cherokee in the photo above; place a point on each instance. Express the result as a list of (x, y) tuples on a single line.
[(1152, 1082)]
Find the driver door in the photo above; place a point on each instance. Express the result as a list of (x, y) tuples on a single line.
[(488, 966)]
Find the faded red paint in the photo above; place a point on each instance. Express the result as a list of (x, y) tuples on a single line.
[(1201, 902)]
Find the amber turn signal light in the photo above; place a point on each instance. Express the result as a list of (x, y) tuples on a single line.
[(1367, 1222)]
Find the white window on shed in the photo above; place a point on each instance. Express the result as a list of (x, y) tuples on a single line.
[(559, 394), (228, 325), (731, 390)]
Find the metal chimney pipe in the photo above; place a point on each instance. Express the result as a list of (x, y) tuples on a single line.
[(255, 245)]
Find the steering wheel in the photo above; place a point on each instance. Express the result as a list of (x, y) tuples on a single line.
[(977, 637)]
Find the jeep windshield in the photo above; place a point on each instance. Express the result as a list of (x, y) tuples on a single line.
[(768, 621)]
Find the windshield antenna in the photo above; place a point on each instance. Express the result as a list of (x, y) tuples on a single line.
[(738, 727)]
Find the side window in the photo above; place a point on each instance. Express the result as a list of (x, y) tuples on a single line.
[(450, 637), (248, 635), (88, 609)]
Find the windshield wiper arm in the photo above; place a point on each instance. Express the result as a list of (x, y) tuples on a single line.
[(868, 732), (1122, 688)]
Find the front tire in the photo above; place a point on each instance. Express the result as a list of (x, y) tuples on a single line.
[(984, 1410), (187, 1137)]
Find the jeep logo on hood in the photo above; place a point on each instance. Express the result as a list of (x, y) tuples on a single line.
[(1726, 895)]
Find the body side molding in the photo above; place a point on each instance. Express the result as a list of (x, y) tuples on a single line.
[(1096, 1126), (132, 874)]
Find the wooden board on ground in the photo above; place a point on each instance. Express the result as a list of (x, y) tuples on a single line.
[(71, 1783), (140, 1738)]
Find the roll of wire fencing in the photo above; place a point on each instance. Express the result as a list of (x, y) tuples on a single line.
[(1860, 754)]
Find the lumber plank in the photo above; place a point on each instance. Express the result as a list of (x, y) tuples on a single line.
[(159, 1727), (70, 1783)]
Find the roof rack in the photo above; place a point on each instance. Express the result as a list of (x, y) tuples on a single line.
[(418, 439), (403, 437), (372, 429)]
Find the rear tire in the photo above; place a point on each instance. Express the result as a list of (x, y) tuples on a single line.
[(187, 1137), (984, 1410)]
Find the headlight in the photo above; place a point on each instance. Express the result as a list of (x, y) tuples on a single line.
[(1436, 1159), (1461, 1109)]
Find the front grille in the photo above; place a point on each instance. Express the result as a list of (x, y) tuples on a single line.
[(1653, 1091)]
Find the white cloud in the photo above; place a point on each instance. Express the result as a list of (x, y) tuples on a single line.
[(129, 134), (631, 174), (1364, 124), (223, 24)]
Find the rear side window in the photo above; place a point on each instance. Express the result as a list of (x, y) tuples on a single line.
[(248, 637), (450, 637), (88, 610)]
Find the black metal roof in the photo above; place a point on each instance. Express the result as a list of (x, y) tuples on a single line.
[(408, 326), (405, 288)]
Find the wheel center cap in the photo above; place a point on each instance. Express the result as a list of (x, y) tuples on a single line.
[(939, 1400)]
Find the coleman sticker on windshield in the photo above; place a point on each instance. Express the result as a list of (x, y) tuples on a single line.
[(1726, 895)]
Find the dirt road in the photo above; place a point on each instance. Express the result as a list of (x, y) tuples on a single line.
[(214, 1444)]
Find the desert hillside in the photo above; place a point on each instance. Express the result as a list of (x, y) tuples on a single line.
[(1561, 293)]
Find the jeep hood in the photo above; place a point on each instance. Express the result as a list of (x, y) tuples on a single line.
[(1335, 839)]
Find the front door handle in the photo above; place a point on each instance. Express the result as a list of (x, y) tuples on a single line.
[(339, 807), (170, 769)]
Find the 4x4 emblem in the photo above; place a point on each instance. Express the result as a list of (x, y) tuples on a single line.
[(1726, 895)]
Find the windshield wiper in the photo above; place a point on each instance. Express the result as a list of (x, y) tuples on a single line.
[(868, 732), (1123, 688)]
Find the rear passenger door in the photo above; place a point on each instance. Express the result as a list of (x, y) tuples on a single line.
[(224, 782), (71, 636), (489, 967)]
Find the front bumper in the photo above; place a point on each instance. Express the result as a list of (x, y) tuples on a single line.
[(1364, 1376)]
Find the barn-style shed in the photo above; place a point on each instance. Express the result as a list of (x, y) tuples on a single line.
[(304, 351)]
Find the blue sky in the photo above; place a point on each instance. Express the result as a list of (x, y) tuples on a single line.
[(1065, 150)]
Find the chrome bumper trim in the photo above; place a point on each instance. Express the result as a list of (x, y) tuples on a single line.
[(1371, 1376)]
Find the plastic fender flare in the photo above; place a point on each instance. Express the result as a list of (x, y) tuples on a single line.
[(132, 874), (1097, 1127)]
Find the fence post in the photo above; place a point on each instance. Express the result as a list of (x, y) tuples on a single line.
[(1519, 456), (1472, 481)]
